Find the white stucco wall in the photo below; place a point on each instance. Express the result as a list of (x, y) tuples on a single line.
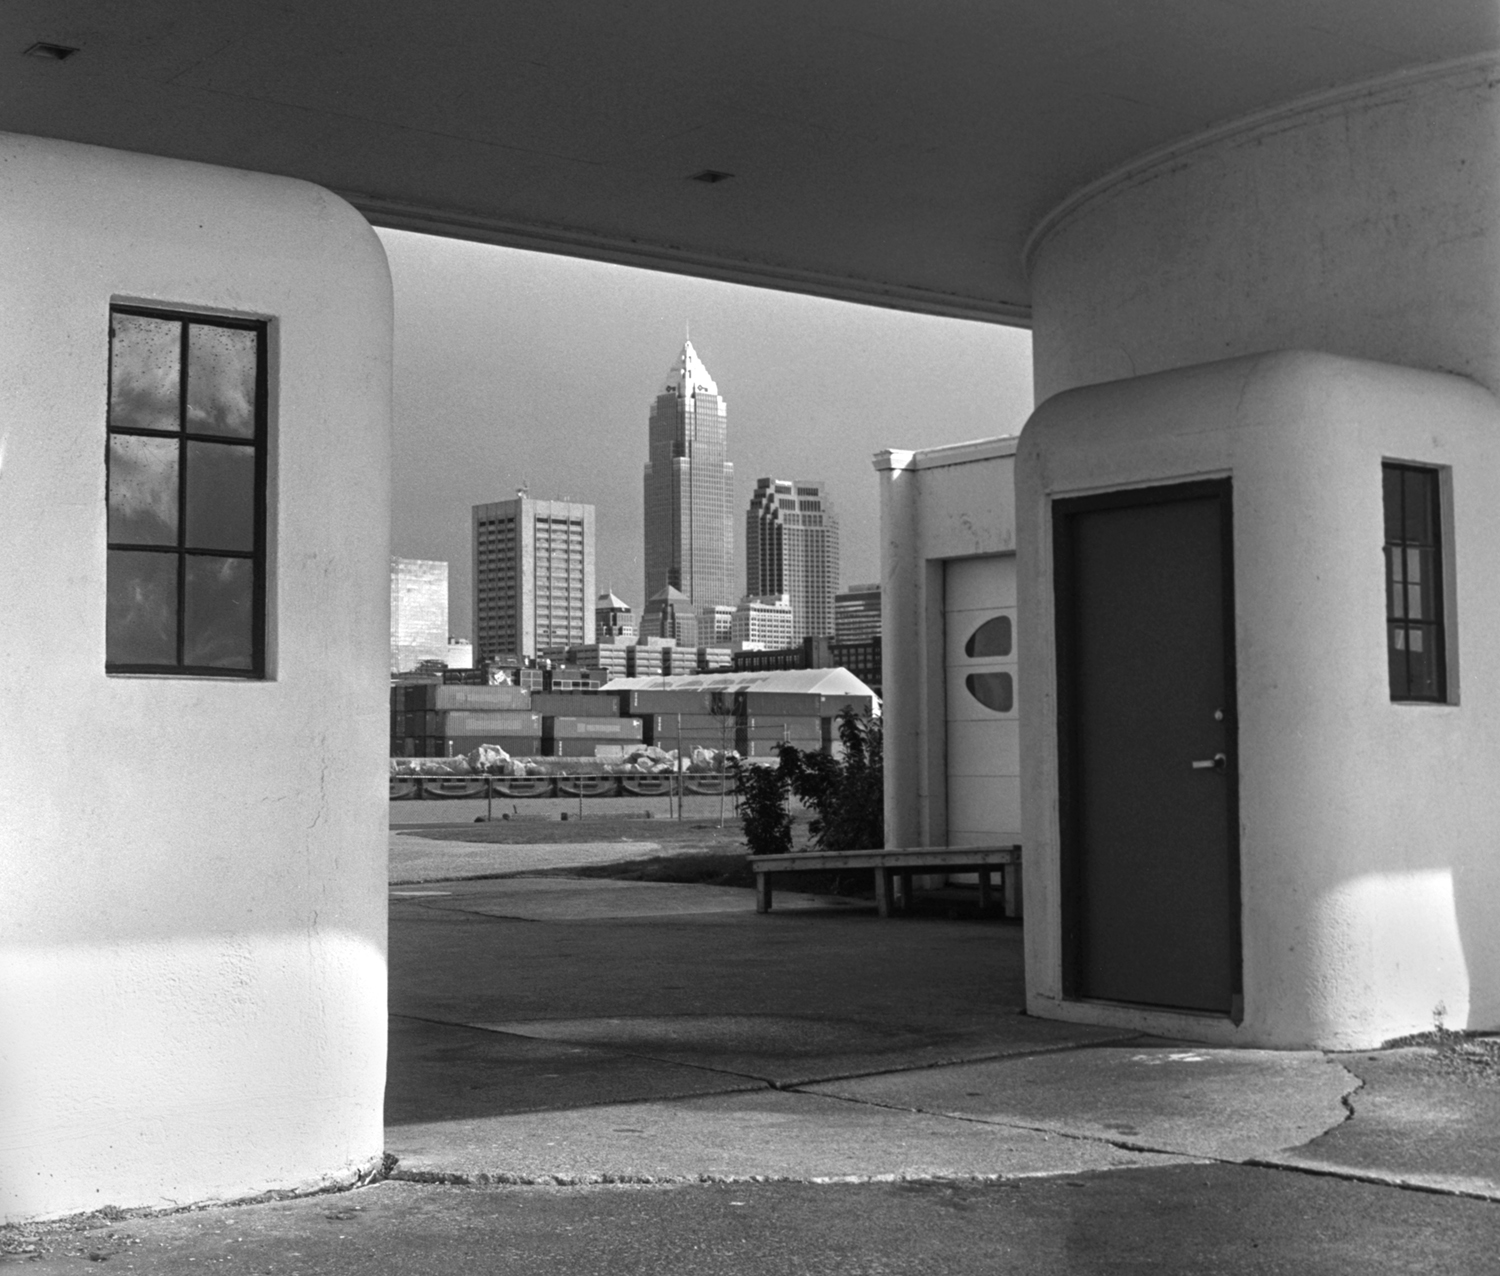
[(192, 888), (936, 504), (1370, 883), (1365, 224)]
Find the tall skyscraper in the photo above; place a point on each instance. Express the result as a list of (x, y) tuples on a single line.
[(690, 489), (533, 577), (419, 612), (792, 548)]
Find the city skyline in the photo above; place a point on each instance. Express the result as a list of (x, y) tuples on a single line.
[(518, 368)]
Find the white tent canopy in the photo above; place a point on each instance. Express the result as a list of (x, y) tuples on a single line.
[(821, 682)]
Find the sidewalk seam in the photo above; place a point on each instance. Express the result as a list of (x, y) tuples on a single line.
[(505, 1178), (1371, 1177), (800, 1084)]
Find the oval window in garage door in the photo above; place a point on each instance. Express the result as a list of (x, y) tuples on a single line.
[(995, 691), (993, 638)]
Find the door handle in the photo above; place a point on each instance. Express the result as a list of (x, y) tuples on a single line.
[(1215, 763)]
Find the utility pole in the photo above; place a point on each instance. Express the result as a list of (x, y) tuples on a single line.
[(722, 714), (679, 768)]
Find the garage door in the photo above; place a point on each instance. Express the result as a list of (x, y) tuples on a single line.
[(984, 732)]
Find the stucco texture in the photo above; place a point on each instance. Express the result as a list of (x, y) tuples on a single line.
[(1365, 225), (192, 894), (1368, 828)]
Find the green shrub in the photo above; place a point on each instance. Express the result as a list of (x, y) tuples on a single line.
[(763, 795), (846, 795)]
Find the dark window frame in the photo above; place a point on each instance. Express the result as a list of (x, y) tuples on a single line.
[(181, 552), (1400, 675)]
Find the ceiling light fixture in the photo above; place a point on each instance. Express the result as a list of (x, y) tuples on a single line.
[(51, 52), (710, 176)]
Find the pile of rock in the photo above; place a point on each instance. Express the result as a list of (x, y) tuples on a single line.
[(491, 759)]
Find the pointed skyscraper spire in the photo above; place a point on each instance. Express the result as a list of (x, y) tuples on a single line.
[(689, 375), (689, 524)]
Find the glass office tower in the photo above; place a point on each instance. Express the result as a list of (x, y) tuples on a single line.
[(689, 489), (792, 548)]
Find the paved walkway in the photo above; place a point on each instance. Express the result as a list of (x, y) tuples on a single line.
[(416, 859), (600, 1076), (420, 853)]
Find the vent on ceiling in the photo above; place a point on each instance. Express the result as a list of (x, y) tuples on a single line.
[(710, 176), (51, 52)]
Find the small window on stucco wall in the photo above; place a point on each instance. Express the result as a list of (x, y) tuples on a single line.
[(1416, 641), (186, 481)]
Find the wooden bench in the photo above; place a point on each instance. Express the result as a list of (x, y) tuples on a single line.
[(897, 868)]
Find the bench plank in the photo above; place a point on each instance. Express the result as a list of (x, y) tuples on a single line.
[(894, 867), (917, 858)]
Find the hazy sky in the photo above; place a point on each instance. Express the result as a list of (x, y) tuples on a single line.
[(516, 367)]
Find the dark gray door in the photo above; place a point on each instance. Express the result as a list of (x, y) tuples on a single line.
[(1150, 852)]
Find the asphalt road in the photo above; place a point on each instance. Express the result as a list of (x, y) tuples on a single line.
[(1189, 1219)]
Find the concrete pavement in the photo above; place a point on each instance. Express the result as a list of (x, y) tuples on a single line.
[(1198, 1219), (621, 1077), (416, 859)]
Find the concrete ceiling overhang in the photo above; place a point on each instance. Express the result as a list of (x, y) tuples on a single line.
[(897, 152)]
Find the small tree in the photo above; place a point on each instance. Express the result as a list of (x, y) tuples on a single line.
[(763, 793), (848, 794)]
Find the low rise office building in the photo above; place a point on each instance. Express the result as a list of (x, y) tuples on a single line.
[(762, 621), (419, 613), (856, 613), (613, 618)]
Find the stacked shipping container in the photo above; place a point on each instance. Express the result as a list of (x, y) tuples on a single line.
[(581, 737), (430, 720)]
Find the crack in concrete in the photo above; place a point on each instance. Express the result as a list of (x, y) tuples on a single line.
[(1347, 1098), (1326, 1169)]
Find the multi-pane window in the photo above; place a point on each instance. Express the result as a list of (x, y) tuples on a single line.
[(186, 465), (1414, 583)]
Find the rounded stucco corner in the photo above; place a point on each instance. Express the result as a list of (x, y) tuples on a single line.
[(350, 231), (195, 970), (1366, 824), (1045, 418)]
